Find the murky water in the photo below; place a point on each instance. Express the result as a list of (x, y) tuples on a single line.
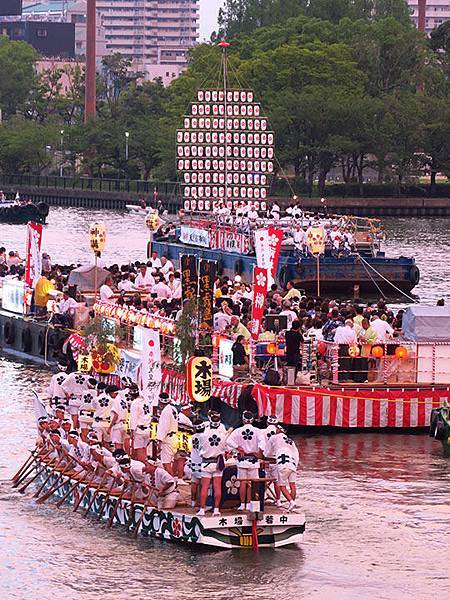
[(377, 505)]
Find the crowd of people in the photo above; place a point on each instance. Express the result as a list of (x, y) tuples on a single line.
[(102, 434)]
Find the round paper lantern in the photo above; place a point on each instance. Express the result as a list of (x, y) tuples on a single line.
[(401, 352), (377, 351), (321, 347), (97, 236), (271, 349), (354, 351)]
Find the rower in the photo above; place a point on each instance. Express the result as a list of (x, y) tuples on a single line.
[(140, 424), (283, 448), (247, 441), (195, 461), (212, 443), (119, 417), (163, 487), (102, 411)]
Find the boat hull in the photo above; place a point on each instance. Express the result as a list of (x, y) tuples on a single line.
[(25, 213), (440, 427), (231, 530), (337, 275)]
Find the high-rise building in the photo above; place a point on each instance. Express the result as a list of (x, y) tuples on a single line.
[(437, 12), (155, 34)]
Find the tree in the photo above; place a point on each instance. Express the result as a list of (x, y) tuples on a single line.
[(17, 62), (436, 137), (26, 146)]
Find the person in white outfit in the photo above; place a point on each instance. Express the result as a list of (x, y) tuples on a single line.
[(140, 425), (285, 452)]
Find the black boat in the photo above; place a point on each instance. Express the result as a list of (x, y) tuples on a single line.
[(23, 213)]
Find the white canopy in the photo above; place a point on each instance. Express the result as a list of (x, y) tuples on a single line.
[(432, 323)]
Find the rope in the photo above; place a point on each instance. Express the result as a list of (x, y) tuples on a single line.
[(344, 397), (387, 280), (373, 280)]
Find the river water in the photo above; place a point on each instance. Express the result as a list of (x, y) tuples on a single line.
[(377, 504)]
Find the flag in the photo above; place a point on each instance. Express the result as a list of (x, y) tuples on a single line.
[(260, 281), (33, 265)]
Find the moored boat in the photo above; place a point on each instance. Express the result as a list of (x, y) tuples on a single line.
[(440, 426)]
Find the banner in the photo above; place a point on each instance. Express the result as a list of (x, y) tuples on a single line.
[(33, 266), (199, 380), (260, 281), (149, 372), (226, 358), (267, 249), (129, 362), (206, 301), (194, 236), (189, 283), (230, 241)]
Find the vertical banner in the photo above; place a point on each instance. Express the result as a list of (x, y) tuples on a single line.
[(206, 302), (33, 265), (149, 371), (189, 282), (267, 249), (260, 281)]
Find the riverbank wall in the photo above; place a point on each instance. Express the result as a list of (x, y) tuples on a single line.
[(117, 200)]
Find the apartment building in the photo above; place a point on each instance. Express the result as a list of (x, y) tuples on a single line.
[(437, 12)]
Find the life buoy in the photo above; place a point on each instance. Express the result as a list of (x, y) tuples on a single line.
[(414, 275), (238, 267), (26, 340), (9, 333), (219, 268), (434, 418)]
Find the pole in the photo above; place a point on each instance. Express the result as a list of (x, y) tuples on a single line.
[(62, 156), (127, 135), (95, 277), (318, 275), (421, 15), (224, 45), (90, 91)]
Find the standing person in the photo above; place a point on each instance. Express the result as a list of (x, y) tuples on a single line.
[(382, 328), (106, 292), (284, 450), (74, 386), (195, 461), (55, 391), (294, 339), (240, 359), (119, 417), (102, 414), (167, 437), (247, 441), (42, 293), (140, 425), (271, 469), (212, 445), (345, 336), (144, 280), (155, 262), (288, 312)]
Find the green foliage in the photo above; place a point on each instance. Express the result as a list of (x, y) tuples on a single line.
[(17, 76), (186, 332)]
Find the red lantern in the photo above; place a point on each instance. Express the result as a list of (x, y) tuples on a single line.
[(271, 349), (216, 341), (401, 352), (354, 351), (321, 347), (377, 351)]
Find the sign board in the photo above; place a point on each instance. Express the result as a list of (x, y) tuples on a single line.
[(13, 295), (226, 358), (149, 373), (199, 378), (194, 236)]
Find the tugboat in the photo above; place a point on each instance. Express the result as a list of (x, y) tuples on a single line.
[(226, 161), (440, 427)]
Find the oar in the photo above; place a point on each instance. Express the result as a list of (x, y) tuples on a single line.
[(116, 508), (24, 487), (67, 494), (141, 518), (29, 460), (52, 472), (94, 495), (57, 485), (29, 469), (85, 491), (132, 503), (106, 498)]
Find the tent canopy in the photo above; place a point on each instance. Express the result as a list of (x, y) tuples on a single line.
[(422, 323), (84, 277)]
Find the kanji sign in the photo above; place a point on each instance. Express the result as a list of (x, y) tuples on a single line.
[(259, 299), (199, 378), (33, 265), (97, 236), (206, 301), (84, 362), (189, 282)]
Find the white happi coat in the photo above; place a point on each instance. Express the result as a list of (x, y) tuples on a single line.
[(283, 449)]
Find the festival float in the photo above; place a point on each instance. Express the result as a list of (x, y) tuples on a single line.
[(226, 162)]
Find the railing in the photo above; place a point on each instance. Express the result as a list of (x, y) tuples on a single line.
[(165, 189)]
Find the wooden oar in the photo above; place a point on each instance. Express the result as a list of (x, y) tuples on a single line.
[(85, 491), (25, 474), (52, 472), (58, 483), (67, 494), (132, 502), (105, 475), (141, 518), (106, 498), (29, 460), (24, 487), (116, 508)]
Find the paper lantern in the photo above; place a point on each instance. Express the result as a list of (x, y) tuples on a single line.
[(105, 362), (215, 340), (321, 347), (199, 378), (377, 351), (271, 349), (315, 238), (354, 351), (97, 236), (152, 221), (401, 352)]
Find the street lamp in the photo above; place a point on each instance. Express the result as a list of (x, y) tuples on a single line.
[(127, 135), (62, 153)]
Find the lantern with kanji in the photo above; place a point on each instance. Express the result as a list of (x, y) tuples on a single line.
[(315, 238), (97, 236), (199, 378), (152, 221)]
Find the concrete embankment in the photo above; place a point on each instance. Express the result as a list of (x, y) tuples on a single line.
[(367, 207)]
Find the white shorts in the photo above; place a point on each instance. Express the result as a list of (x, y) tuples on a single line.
[(141, 440), (196, 472), (102, 432), (247, 472), (168, 450), (166, 502), (272, 472), (210, 470), (286, 475), (118, 433)]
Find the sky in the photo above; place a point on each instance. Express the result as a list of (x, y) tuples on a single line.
[(208, 17)]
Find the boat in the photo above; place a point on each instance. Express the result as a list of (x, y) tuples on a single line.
[(226, 162), (265, 527), (440, 427), (11, 212)]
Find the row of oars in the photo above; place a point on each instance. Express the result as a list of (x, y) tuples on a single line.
[(38, 456)]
